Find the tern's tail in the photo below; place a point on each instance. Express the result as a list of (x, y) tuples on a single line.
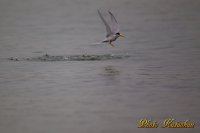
[(96, 43)]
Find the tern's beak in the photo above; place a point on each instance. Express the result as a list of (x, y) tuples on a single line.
[(121, 35)]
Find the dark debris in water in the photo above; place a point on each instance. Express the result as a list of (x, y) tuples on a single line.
[(83, 57)]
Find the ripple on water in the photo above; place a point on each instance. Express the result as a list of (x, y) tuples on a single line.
[(83, 57)]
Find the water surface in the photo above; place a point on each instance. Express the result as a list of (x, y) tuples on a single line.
[(159, 80)]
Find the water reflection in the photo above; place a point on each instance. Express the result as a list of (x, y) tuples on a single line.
[(110, 75), (111, 71)]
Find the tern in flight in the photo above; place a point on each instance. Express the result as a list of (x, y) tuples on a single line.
[(112, 30)]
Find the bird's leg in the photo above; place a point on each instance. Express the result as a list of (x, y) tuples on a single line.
[(111, 44)]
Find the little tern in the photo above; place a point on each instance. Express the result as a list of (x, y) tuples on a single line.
[(112, 30)]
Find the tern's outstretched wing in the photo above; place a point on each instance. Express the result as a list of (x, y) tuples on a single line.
[(114, 24), (109, 32)]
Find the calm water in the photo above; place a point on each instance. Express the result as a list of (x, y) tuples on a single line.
[(160, 79)]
